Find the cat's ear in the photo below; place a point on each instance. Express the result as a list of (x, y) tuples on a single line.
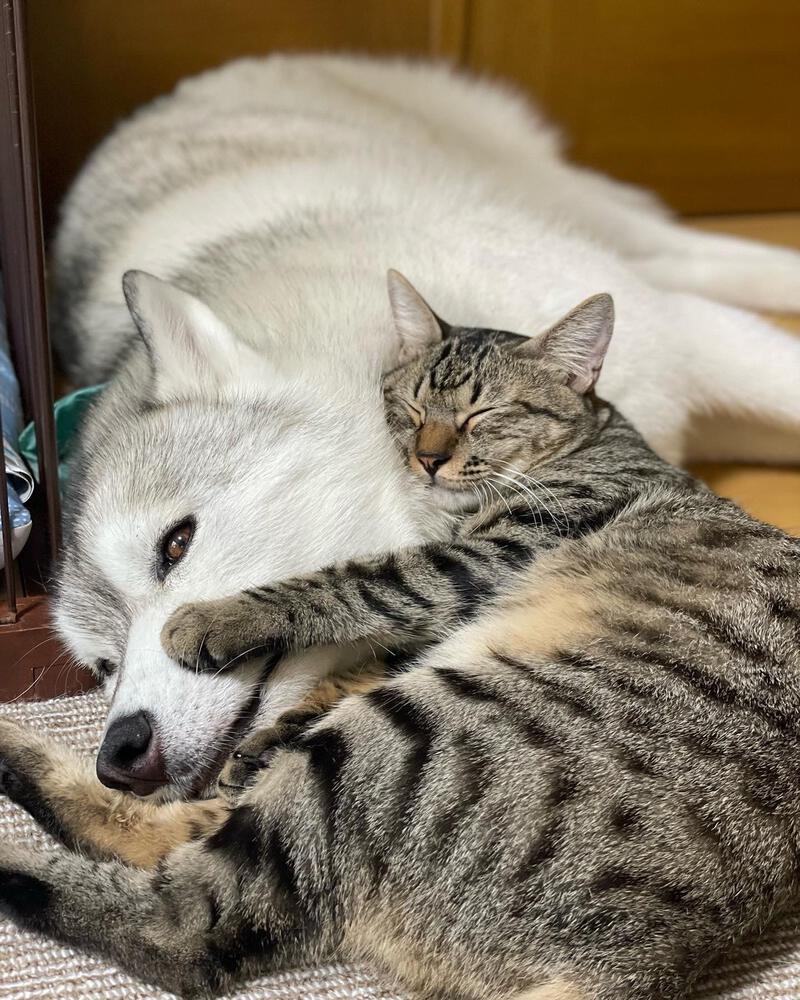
[(578, 342), (416, 323), (190, 349)]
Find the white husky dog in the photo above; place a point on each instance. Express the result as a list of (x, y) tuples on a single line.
[(270, 197)]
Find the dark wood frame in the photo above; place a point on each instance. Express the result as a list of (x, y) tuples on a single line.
[(32, 662)]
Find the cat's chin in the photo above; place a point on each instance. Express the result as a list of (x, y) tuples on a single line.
[(454, 501)]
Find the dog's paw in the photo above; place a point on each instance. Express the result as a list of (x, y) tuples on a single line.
[(217, 635)]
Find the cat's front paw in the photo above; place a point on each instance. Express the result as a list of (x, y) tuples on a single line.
[(218, 635), (255, 753)]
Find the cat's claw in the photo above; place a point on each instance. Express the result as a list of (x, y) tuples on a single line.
[(256, 753)]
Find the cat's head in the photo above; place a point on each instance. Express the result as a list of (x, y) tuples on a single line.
[(474, 410)]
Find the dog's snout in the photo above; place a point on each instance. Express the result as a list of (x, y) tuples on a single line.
[(130, 758)]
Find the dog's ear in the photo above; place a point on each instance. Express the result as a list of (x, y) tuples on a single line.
[(191, 350), (577, 343), (416, 323)]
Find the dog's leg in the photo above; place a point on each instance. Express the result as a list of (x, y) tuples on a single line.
[(60, 790), (744, 374), (728, 268)]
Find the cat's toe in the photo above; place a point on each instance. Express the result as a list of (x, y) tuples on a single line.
[(251, 757), (185, 637), (237, 774)]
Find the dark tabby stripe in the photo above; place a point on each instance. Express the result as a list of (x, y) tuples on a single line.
[(327, 754)]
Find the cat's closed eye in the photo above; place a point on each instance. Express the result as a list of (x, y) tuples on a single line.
[(468, 421), (416, 414)]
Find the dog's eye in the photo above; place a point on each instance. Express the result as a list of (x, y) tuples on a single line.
[(174, 545), (105, 667)]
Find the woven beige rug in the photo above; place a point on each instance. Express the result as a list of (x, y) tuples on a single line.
[(32, 968)]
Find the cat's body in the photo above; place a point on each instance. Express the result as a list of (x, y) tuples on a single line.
[(584, 793)]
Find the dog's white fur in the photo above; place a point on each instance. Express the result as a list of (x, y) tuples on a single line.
[(280, 191)]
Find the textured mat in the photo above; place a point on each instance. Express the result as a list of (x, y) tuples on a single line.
[(32, 968)]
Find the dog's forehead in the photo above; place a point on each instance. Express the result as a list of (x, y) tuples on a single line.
[(159, 454)]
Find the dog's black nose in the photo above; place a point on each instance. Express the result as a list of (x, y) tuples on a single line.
[(130, 758), (432, 460)]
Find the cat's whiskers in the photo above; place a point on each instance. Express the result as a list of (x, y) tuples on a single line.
[(227, 665), (494, 489), (548, 491), (526, 481), (526, 490), (372, 640), (524, 495), (484, 501)]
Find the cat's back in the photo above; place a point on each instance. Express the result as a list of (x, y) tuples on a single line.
[(643, 693), (679, 578)]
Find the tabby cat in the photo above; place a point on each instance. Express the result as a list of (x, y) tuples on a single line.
[(584, 788)]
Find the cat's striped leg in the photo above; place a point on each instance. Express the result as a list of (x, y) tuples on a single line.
[(181, 928), (371, 837), (413, 596), (249, 897), (59, 789)]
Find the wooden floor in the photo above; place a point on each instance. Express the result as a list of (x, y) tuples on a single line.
[(770, 493)]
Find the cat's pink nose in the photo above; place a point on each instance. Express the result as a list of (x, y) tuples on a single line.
[(130, 757), (432, 461)]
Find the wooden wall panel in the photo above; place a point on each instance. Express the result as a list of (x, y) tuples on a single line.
[(697, 99)]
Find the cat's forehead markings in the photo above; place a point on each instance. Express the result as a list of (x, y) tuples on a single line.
[(440, 367), (477, 389)]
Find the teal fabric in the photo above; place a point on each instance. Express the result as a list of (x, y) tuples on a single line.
[(68, 413)]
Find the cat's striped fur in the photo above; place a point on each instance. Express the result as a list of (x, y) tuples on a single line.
[(585, 791)]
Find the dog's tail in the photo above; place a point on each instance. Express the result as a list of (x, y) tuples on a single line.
[(745, 378)]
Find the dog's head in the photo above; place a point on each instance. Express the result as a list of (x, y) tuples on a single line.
[(204, 469)]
